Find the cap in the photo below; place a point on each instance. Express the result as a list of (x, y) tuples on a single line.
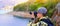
[(42, 10)]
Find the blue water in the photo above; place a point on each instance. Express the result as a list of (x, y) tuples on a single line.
[(10, 20)]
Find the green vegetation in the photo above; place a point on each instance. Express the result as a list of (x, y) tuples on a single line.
[(50, 5)]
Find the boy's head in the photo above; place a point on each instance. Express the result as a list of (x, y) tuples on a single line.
[(41, 12)]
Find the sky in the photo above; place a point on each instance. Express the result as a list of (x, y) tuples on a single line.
[(3, 3), (7, 5)]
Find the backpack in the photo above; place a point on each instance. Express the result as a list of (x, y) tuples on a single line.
[(47, 21)]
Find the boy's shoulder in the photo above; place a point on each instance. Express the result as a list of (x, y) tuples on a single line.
[(46, 21)]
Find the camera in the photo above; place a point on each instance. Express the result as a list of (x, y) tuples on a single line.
[(35, 19), (35, 13)]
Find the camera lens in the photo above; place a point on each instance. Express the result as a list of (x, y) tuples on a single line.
[(30, 13)]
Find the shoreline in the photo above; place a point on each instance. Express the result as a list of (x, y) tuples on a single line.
[(21, 14)]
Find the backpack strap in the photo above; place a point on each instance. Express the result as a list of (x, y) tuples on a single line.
[(47, 21)]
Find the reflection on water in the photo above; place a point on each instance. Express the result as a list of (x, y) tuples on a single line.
[(10, 20)]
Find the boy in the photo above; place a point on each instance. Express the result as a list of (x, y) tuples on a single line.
[(41, 20)]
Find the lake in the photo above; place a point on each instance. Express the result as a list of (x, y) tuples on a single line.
[(10, 20)]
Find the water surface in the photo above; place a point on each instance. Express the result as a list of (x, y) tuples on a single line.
[(10, 20)]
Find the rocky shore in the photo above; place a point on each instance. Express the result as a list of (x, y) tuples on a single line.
[(21, 14)]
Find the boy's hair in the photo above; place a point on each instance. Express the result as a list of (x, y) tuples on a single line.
[(44, 14)]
